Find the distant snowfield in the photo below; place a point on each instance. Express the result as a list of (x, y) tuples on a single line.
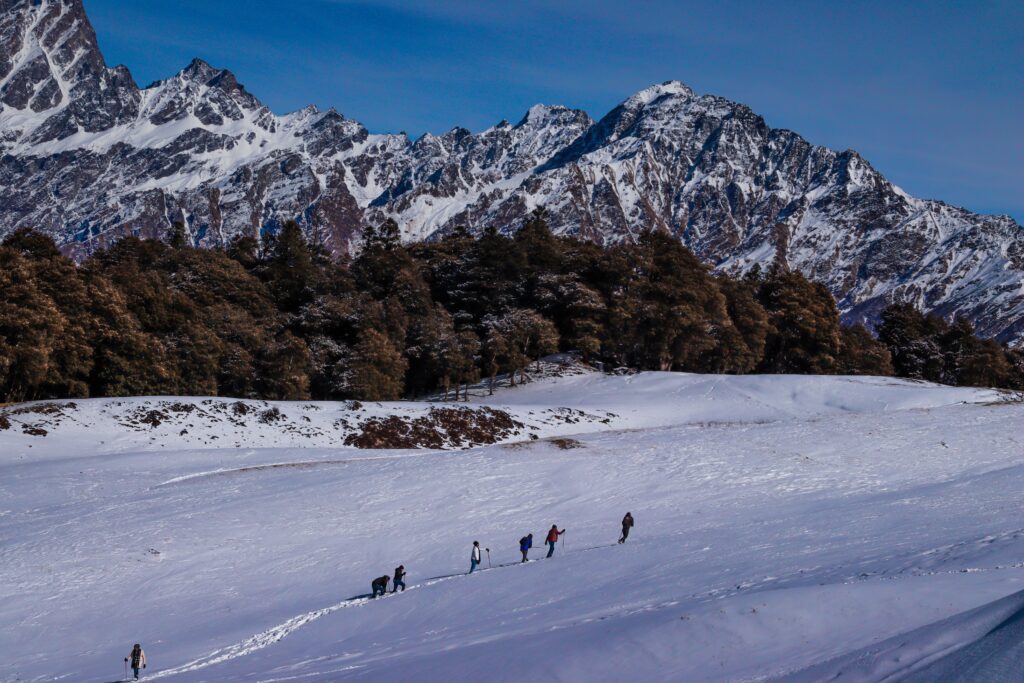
[(787, 529)]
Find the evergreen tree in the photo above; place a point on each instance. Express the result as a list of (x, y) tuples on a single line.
[(666, 308), (578, 311), (491, 278), (514, 339), (861, 354), (913, 342), (377, 368), (289, 269), (970, 361), (284, 368), (741, 339), (804, 333), (31, 326), (178, 237)]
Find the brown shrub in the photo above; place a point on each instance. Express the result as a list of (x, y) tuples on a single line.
[(270, 416), (440, 428)]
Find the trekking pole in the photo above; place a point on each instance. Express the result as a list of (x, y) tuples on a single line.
[(488, 558)]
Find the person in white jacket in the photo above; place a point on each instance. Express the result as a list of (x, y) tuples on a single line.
[(474, 558), (137, 659)]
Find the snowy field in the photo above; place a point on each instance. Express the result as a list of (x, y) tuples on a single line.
[(787, 529)]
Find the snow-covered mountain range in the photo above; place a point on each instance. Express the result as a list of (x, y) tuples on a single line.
[(88, 156)]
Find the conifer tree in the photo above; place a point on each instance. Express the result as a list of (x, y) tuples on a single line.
[(861, 354), (377, 369), (913, 342), (804, 337), (289, 269)]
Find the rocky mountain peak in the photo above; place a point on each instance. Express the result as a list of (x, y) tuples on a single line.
[(50, 64), (658, 92), (213, 96)]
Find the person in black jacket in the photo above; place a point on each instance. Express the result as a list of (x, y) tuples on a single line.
[(399, 579), (627, 524), (380, 585)]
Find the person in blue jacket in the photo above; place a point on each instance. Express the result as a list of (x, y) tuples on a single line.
[(525, 543)]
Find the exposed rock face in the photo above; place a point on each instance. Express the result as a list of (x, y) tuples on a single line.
[(88, 157)]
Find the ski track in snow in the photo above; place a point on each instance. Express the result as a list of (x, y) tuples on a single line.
[(299, 464), (282, 631), (277, 633)]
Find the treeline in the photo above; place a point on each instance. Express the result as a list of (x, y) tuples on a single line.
[(282, 320)]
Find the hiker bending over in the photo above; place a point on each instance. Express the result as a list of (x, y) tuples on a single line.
[(627, 524), (525, 543), (474, 558), (399, 579), (552, 538), (380, 585), (137, 659)]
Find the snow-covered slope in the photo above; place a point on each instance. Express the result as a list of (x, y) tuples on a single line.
[(88, 156), (788, 528)]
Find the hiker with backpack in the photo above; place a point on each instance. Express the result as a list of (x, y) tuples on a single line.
[(474, 557), (137, 659), (552, 538), (627, 524), (525, 543), (380, 585), (399, 579)]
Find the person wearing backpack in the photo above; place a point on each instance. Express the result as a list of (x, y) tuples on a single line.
[(399, 579), (627, 524), (552, 538), (137, 659), (525, 543), (474, 557), (380, 585)]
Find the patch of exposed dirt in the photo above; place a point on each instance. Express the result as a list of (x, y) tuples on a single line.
[(440, 428), (566, 444), (574, 416), (270, 416), (45, 409), (4, 422), (153, 418), (32, 430)]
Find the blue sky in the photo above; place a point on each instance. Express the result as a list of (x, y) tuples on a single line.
[(931, 93)]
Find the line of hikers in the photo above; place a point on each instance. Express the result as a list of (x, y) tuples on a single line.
[(137, 658), (380, 584)]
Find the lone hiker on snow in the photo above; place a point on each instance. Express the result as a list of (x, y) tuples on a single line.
[(380, 585), (627, 524), (525, 543), (399, 579), (474, 558), (552, 538), (137, 658)]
